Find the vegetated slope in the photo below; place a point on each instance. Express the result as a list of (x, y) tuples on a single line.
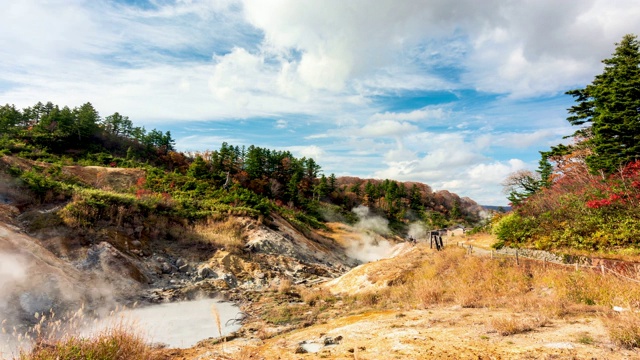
[(585, 195)]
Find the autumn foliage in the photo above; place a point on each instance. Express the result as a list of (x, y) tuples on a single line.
[(580, 210)]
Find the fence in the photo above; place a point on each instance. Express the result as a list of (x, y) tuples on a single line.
[(624, 269)]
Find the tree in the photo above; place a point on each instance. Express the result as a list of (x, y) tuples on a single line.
[(520, 185), (85, 121), (199, 169), (118, 125), (162, 142), (610, 109), (10, 117)]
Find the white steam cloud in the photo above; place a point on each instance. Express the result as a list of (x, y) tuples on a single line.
[(371, 246), (367, 221), (417, 231), (12, 269), (12, 273), (370, 249)]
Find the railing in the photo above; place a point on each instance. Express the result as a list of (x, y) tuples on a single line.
[(604, 266)]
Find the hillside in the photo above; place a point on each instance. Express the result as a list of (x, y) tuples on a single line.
[(302, 290)]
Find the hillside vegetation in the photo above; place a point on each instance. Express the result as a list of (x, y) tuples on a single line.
[(585, 196), (249, 181)]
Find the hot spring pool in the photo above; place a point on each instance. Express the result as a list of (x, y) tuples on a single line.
[(178, 325)]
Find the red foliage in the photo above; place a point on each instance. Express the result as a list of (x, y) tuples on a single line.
[(140, 193), (617, 187)]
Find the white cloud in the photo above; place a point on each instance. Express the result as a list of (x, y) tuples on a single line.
[(385, 128), (312, 151), (427, 113), (203, 142), (329, 61), (520, 48), (281, 124)]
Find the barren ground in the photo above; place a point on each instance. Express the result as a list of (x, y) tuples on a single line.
[(440, 332)]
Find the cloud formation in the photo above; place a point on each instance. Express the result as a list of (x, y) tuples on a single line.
[(423, 90)]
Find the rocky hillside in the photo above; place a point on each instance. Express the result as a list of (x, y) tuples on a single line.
[(50, 263)]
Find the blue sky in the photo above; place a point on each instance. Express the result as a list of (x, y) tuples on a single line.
[(455, 94)]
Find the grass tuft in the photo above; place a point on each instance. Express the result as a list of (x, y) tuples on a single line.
[(113, 344), (624, 329), (512, 325)]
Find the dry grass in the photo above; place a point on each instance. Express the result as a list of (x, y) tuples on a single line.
[(112, 344), (315, 296), (225, 233), (452, 277), (512, 325), (284, 285), (216, 318), (624, 329)]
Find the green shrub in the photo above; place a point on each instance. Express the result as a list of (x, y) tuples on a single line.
[(514, 229), (43, 186)]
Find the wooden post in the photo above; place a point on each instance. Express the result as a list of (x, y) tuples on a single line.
[(544, 263), (517, 259), (577, 266), (491, 254), (602, 269)]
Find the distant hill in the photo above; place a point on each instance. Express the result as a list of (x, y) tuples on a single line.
[(497, 208)]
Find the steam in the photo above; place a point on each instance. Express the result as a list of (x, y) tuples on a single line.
[(370, 249), (374, 223), (417, 231), (370, 246), (36, 283), (12, 270), (12, 273), (484, 214)]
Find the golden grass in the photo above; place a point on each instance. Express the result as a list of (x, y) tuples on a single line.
[(284, 286), (512, 325), (225, 233), (624, 329), (315, 296), (453, 277), (112, 344)]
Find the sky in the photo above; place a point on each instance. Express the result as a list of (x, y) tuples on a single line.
[(456, 94)]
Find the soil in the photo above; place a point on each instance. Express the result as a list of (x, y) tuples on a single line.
[(438, 333)]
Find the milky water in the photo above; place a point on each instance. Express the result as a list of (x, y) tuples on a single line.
[(177, 325)]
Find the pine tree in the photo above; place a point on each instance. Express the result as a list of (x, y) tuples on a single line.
[(610, 107)]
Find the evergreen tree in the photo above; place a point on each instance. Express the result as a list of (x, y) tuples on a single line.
[(10, 117), (86, 121), (610, 107)]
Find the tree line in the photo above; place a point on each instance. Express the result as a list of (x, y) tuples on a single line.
[(278, 175), (66, 129), (585, 195), (607, 114)]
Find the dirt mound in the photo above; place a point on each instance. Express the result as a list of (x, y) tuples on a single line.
[(106, 178), (377, 275), (283, 239)]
